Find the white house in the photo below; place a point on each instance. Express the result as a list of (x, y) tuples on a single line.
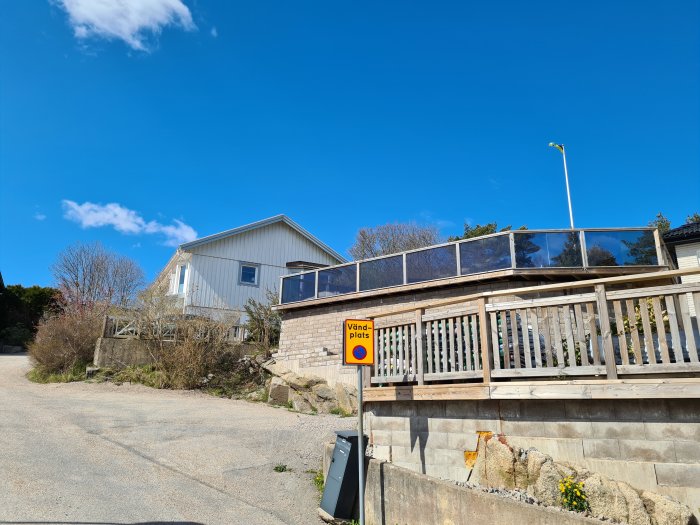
[(219, 273), (684, 243)]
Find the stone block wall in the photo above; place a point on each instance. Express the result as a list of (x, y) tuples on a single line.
[(652, 444)]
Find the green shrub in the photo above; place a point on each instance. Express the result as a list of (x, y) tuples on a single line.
[(573, 497), (39, 374)]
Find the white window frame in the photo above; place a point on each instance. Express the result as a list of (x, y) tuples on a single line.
[(181, 277), (249, 265)]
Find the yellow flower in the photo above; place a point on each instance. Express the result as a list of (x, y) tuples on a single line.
[(562, 489), (577, 492), (572, 502)]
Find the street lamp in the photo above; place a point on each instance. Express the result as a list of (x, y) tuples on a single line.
[(560, 147)]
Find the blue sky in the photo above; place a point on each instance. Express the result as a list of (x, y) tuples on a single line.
[(190, 117)]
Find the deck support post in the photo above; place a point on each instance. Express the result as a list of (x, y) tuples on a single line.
[(604, 319)]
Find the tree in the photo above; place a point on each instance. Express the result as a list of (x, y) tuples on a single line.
[(90, 277), (695, 217), (263, 324), (21, 309), (392, 238), (662, 223), (481, 230)]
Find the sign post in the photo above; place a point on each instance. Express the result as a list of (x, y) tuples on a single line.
[(358, 349)]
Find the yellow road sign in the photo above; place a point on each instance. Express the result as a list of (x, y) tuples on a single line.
[(358, 342)]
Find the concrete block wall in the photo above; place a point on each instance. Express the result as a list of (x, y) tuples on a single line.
[(309, 332), (652, 444)]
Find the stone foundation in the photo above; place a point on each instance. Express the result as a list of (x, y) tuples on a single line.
[(652, 444)]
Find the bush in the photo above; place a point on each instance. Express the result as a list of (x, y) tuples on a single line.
[(65, 342)]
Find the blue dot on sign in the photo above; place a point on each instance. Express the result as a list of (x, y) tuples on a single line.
[(359, 352)]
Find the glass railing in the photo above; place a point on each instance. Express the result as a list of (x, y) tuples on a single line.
[(518, 249)]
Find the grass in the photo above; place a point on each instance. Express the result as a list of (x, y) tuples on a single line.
[(41, 375), (281, 468), (340, 412), (318, 479)]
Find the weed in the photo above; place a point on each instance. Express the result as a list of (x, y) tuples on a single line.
[(281, 468), (318, 479), (290, 405), (340, 412), (39, 374), (573, 497)]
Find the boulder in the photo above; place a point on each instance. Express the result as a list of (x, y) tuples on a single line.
[(605, 498), (299, 403), (543, 478), (500, 464), (665, 511), (346, 397), (636, 513), (279, 392), (295, 381)]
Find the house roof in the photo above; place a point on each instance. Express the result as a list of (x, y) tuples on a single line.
[(261, 224), (687, 232)]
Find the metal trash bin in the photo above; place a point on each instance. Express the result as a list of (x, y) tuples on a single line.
[(340, 492)]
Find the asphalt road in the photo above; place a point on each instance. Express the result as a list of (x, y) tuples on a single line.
[(99, 453)]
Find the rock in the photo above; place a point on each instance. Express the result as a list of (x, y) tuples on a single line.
[(299, 403), (323, 391), (636, 513), (279, 392), (346, 397), (295, 381), (605, 497), (500, 464), (546, 483), (665, 511)]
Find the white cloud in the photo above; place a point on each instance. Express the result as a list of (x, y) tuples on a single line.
[(214, 32), (124, 220), (132, 21), (39, 216)]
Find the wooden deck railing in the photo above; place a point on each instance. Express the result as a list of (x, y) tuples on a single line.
[(131, 328), (602, 333)]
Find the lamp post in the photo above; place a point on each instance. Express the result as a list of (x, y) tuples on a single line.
[(560, 147)]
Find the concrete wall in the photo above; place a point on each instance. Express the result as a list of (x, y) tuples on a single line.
[(119, 353), (398, 496), (652, 444), (312, 338)]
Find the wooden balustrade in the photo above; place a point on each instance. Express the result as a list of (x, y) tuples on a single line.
[(600, 334)]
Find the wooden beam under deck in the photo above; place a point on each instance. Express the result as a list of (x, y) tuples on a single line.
[(676, 388)]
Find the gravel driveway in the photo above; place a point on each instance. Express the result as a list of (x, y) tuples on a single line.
[(100, 453)]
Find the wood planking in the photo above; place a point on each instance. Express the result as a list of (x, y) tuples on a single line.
[(568, 328), (460, 344), (429, 345), (413, 346), (556, 327), (419, 346), (620, 332), (451, 336), (526, 337), (494, 341), (690, 343), (660, 329), (547, 335), (476, 343), (516, 342), (604, 319), (595, 350), (536, 338), (443, 346), (676, 348), (505, 338), (634, 332), (648, 336), (581, 335)]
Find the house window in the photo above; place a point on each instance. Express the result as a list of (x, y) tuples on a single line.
[(181, 281), (249, 274)]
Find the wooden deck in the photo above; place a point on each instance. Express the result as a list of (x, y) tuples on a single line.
[(621, 336)]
